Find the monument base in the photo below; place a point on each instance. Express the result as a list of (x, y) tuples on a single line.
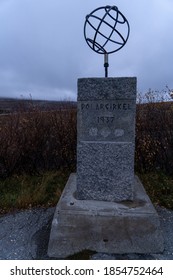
[(101, 226)]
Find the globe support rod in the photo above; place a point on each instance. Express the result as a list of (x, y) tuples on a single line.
[(106, 64)]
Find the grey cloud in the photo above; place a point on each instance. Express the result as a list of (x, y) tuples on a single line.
[(42, 47)]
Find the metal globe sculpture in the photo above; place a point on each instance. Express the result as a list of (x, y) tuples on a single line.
[(106, 30)]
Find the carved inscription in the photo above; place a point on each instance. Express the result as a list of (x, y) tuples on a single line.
[(106, 120), (106, 107)]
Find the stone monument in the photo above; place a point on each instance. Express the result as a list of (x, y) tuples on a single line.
[(104, 206), (106, 138)]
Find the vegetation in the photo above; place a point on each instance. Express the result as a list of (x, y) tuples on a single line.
[(159, 187), (154, 137), (27, 191), (38, 152), (34, 141)]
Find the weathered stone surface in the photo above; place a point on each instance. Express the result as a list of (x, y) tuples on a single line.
[(106, 88), (109, 120), (106, 138), (106, 227), (105, 171)]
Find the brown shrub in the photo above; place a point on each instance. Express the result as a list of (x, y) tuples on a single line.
[(37, 140), (154, 137), (34, 140)]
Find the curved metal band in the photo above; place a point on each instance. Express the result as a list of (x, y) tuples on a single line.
[(93, 44)]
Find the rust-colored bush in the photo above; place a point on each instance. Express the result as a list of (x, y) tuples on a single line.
[(154, 137), (37, 140), (33, 140)]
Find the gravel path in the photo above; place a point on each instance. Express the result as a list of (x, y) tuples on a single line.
[(25, 235)]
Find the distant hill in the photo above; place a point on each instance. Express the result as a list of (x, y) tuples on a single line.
[(8, 105)]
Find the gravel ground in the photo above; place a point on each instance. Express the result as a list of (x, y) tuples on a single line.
[(25, 235)]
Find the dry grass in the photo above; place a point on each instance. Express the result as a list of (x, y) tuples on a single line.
[(24, 191), (159, 187)]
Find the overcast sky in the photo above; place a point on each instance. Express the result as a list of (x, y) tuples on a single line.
[(43, 51)]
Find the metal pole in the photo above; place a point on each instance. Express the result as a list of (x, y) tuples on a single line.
[(106, 64)]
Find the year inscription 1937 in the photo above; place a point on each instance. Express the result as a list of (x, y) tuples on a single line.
[(105, 120)]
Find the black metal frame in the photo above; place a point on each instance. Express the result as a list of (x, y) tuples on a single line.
[(94, 45)]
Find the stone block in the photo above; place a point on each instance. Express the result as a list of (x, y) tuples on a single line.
[(105, 171), (106, 138), (107, 227), (107, 88)]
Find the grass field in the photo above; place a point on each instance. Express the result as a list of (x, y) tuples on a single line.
[(26, 191), (44, 190)]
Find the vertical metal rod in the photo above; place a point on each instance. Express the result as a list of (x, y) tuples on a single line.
[(106, 64)]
